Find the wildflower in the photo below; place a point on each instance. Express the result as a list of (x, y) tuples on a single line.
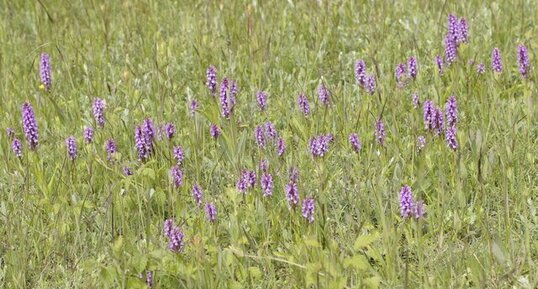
[(323, 94), (71, 145), (111, 149), (197, 194), (99, 107), (88, 135), (10, 133), (267, 184), (29, 125), (211, 75), (380, 132), (463, 31), (319, 145), (264, 166), (175, 241), (141, 144), (16, 146), (149, 279), (523, 60), (169, 130), (412, 67), (193, 106), (439, 63), (360, 72), (303, 104), (167, 227), (292, 194), (260, 136), (214, 131), (451, 51), (281, 147), (400, 74), (45, 71), (450, 137), (355, 142), (309, 206), (179, 155), (496, 60), (370, 84), (415, 100), (261, 98), (421, 142), (480, 68), (453, 27), (225, 99), (127, 171), (418, 209), (148, 130), (451, 111), (176, 174), (270, 130), (406, 202), (439, 121), (211, 212)]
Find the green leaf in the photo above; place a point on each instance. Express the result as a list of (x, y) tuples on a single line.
[(358, 261), (372, 282), (255, 272), (364, 240)]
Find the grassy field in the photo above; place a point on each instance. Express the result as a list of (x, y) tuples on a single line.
[(85, 223)]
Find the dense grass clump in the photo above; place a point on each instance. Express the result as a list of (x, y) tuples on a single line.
[(268, 144)]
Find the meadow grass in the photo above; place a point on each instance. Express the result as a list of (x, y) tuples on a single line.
[(84, 224)]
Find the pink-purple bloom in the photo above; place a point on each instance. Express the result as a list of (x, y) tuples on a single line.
[(149, 279), (419, 209), (211, 75), (523, 60), (304, 106), (451, 111), (99, 106), (197, 194), (88, 135), (280, 147), (421, 142), (292, 194), (71, 146), (440, 64), (261, 98), (227, 101), (29, 125), (319, 145), (406, 202), (266, 183), (179, 155), (463, 33), (10, 132), (450, 137), (451, 50), (111, 149), (127, 171), (380, 132), (169, 130), (211, 212), (323, 94), (355, 142), (370, 84), (143, 147), (259, 135), (176, 175), (45, 71), (16, 147), (270, 130), (496, 60), (400, 74), (360, 72), (415, 100), (175, 236), (412, 67), (309, 207), (214, 131), (480, 68), (193, 106)]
